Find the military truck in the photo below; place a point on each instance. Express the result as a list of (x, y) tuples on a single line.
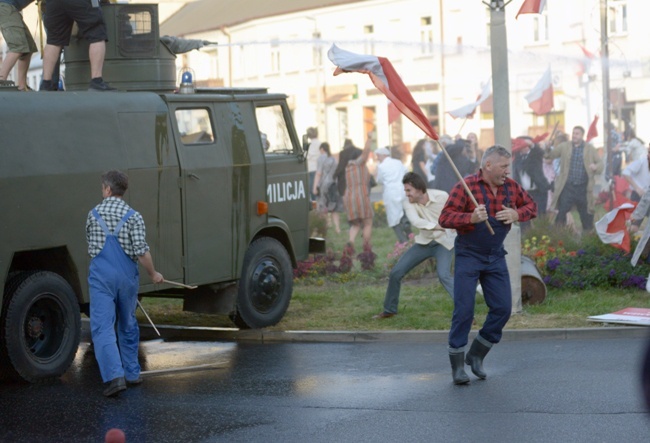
[(218, 175)]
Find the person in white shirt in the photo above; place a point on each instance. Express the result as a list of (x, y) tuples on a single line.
[(313, 153), (637, 175), (390, 173), (422, 207)]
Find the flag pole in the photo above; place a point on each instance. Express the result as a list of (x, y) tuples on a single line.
[(462, 125), (460, 177), (551, 139)]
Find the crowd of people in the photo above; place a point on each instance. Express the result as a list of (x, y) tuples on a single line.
[(466, 221)]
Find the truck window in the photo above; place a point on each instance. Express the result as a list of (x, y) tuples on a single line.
[(194, 126), (273, 130), (136, 34)]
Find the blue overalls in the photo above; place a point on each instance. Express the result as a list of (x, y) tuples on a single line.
[(113, 282), (480, 256)]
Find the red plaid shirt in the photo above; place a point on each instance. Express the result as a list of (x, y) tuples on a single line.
[(458, 210)]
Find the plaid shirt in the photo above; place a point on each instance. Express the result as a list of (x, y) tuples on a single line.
[(131, 236), (577, 172), (458, 210)]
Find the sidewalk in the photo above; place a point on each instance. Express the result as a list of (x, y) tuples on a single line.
[(179, 333)]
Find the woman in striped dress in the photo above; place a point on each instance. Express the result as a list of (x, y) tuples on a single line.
[(357, 194)]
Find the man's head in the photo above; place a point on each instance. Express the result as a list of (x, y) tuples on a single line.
[(414, 186), (312, 132), (577, 135), (382, 154), (496, 165), (114, 183)]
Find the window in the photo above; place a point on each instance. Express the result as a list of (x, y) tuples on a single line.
[(136, 36), (426, 35), (432, 113), (540, 27), (275, 56), (194, 126), (274, 134), (369, 33), (342, 125), (617, 16)]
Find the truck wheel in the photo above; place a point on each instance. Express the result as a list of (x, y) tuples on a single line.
[(265, 286), (41, 327)]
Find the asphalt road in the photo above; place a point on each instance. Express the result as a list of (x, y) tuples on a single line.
[(538, 390)]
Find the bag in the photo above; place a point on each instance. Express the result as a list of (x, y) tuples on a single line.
[(333, 193)]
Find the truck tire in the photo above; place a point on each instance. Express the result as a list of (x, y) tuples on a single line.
[(41, 327), (265, 286)]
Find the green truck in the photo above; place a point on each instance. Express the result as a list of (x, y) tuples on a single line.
[(219, 176)]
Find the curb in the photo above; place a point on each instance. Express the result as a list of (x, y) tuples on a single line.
[(202, 333)]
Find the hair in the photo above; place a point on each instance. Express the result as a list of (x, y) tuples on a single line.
[(326, 147), (493, 151), (347, 144), (117, 181), (411, 178), (419, 146), (396, 152), (580, 128), (312, 132)]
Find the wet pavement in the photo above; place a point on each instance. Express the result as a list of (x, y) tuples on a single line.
[(538, 390)]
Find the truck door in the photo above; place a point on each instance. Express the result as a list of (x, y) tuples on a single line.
[(287, 186), (206, 169)]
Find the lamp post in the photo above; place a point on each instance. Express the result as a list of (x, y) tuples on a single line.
[(317, 60), (501, 98), (604, 49)]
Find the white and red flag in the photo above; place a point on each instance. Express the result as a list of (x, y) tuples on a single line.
[(468, 110), (540, 99), (611, 228), (531, 7), (593, 129), (386, 79)]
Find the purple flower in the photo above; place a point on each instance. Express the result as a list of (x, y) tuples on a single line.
[(553, 263)]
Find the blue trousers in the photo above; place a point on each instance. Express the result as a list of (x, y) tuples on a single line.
[(492, 272), (106, 302), (413, 257), (113, 282)]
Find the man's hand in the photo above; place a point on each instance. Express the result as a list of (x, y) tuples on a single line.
[(156, 277), (479, 215), (593, 167), (507, 215)]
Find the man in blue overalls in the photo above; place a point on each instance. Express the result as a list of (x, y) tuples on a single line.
[(480, 256), (116, 243)]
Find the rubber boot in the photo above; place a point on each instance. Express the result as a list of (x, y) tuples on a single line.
[(475, 357), (458, 368)]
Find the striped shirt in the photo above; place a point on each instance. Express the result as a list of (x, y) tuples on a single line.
[(132, 236)]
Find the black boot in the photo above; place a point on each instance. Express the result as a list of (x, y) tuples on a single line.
[(458, 368), (475, 357)]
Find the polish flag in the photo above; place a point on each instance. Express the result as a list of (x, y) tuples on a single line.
[(531, 7), (540, 99), (386, 79), (468, 110), (611, 228), (593, 129)]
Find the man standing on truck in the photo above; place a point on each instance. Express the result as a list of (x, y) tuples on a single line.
[(61, 15), (19, 41), (116, 242)]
